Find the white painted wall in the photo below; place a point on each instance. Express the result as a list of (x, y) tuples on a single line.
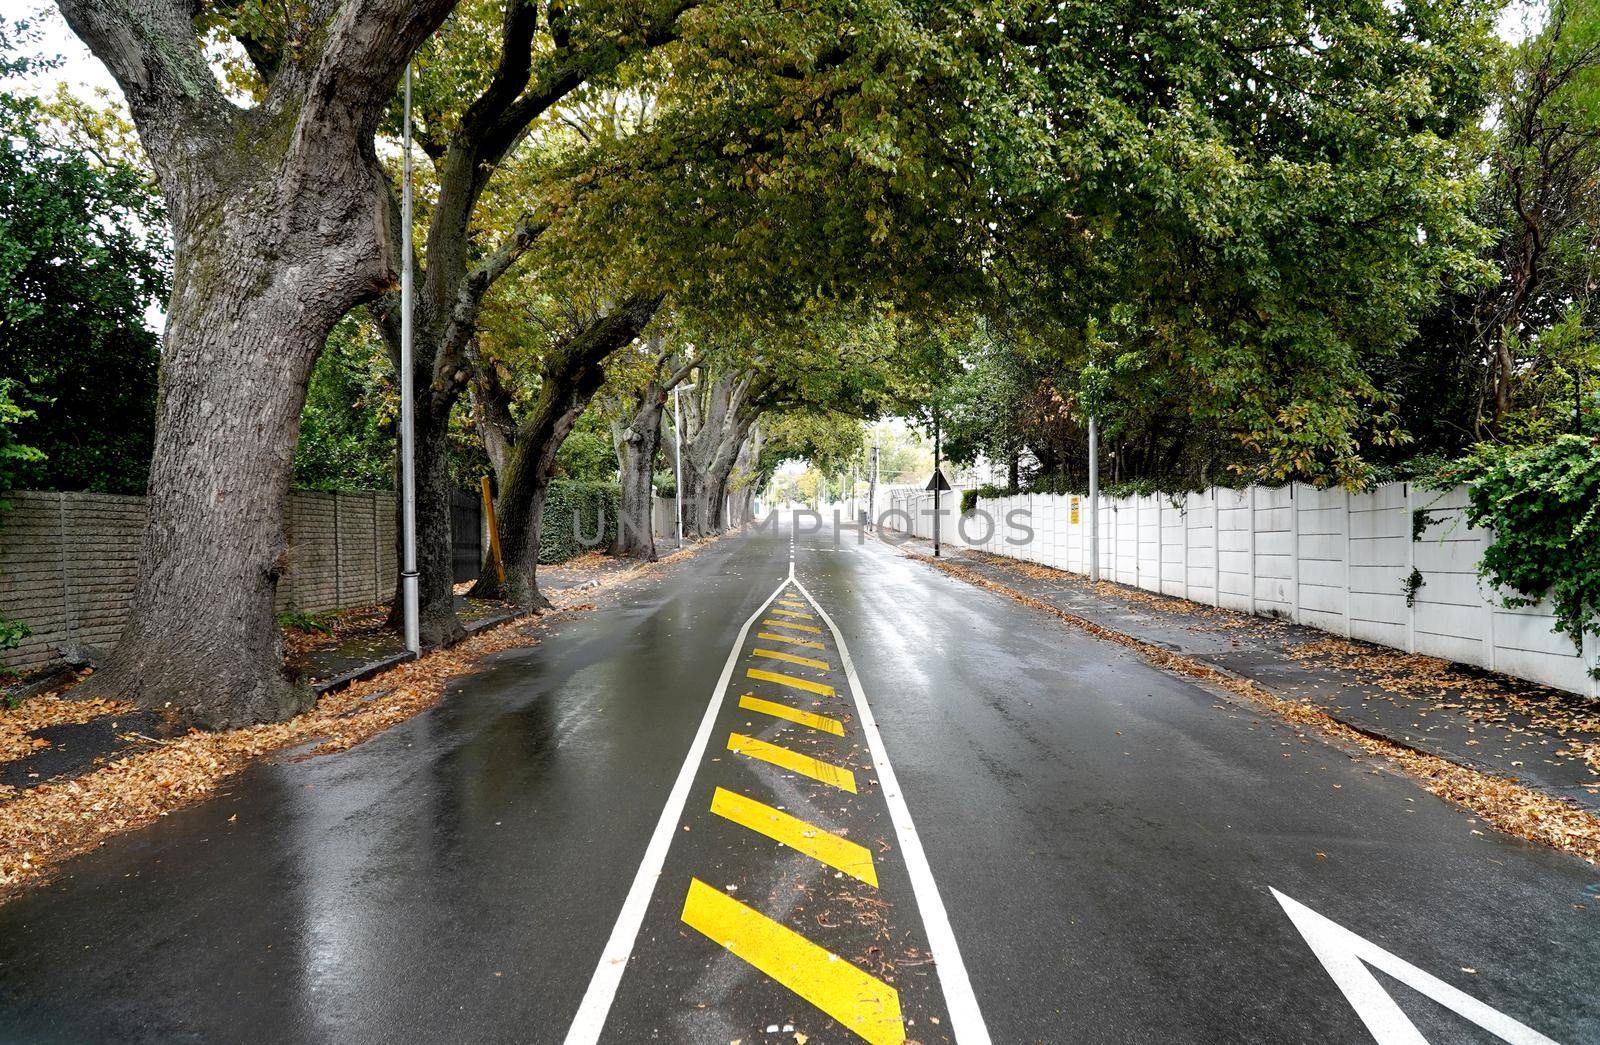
[(1328, 559)]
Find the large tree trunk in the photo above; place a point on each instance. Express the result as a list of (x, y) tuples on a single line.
[(437, 623), (723, 417), (252, 303), (637, 442), (202, 640), (746, 472), (570, 378), (280, 222)]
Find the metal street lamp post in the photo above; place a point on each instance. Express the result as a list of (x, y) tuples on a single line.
[(408, 471), (677, 451), (936, 483), (1094, 499)]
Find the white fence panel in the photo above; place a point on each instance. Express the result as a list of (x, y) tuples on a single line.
[(1395, 565)]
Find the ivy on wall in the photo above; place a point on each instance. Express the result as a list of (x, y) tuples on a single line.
[(1542, 505), (578, 517)]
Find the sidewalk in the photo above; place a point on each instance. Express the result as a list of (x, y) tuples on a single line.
[(64, 744), (1544, 738)]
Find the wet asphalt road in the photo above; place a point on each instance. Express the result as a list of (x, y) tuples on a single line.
[(1103, 841)]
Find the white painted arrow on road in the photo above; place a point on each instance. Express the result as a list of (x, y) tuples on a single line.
[(1347, 956)]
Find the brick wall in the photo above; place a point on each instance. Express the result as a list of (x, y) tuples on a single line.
[(68, 561)]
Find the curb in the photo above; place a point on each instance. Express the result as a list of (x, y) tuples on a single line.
[(394, 660), (1355, 724)]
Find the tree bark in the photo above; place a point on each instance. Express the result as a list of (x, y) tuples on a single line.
[(709, 454), (280, 225), (437, 623), (202, 642), (570, 377), (637, 439), (636, 443)]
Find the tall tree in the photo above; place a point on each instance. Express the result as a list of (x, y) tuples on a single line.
[(83, 254), (636, 411), (1544, 204), (1249, 206), (570, 372), (545, 53), (281, 220)]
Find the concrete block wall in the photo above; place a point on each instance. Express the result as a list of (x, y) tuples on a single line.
[(1328, 559), (68, 562)]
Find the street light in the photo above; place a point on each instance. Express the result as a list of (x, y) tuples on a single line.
[(408, 471), (1094, 498), (677, 451)]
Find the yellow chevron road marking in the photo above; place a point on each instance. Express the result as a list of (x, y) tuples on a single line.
[(841, 854), (789, 714), (761, 675), (863, 1003), (791, 641), (792, 613), (809, 662), (794, 761), (769, 622)]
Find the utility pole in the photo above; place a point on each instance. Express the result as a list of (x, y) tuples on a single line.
[(677, 452), (936, 482), (408, 468), (1094, 499), (872, 488)]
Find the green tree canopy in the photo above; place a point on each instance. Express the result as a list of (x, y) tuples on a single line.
[(83, 257)]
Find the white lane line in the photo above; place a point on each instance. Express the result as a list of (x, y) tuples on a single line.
[(596, 1005), (965, 1018)]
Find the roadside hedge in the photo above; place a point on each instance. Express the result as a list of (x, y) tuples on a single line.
[(597, 505)]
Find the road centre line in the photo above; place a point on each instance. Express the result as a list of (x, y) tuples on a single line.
[(789, 714), (821, 689), (791, 658), (841, 854), (793, 761), (965, 1016), (590, 1018), (863, 1003)]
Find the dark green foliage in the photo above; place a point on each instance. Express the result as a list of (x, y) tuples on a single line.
[(587, 455), (1543, 507), (1413, 584), (575, 509), (83, 255), (347, 424), (309, 623)]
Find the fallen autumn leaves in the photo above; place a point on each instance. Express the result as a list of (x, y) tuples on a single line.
[(48, 823)]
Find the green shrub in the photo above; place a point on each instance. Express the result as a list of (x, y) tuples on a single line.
[(1542, 505), (596, 504), (310, 623)]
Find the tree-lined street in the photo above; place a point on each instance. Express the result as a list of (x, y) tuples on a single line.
[(746, 521), (1105, 840)]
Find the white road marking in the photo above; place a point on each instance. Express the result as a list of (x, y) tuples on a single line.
[(1346, 957), (596, 1005), (965, 1018)]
